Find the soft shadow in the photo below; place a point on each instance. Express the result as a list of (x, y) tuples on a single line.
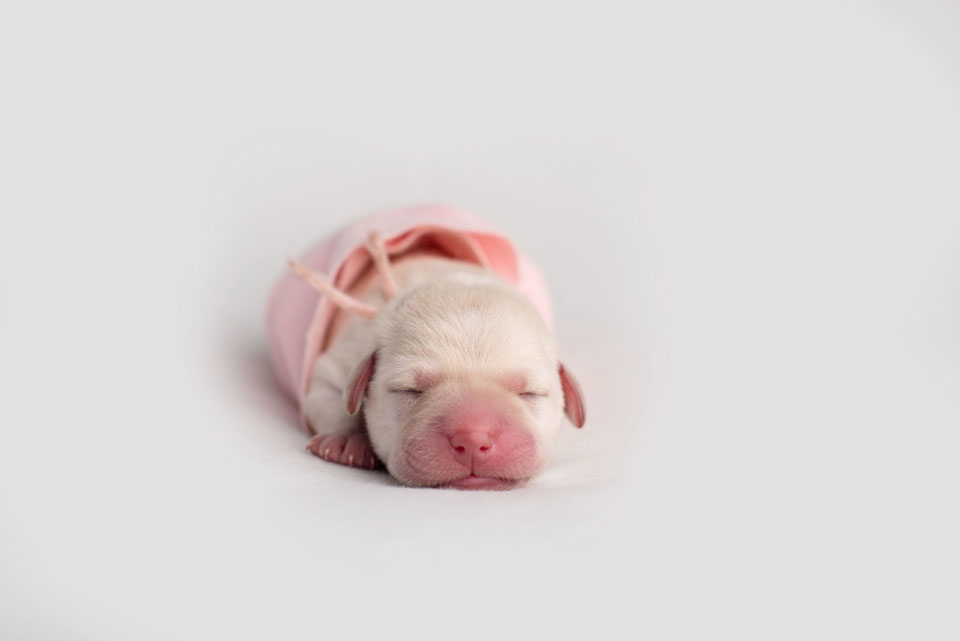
[(253, 370)]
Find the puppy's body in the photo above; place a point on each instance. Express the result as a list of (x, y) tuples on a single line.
[(458, 376)]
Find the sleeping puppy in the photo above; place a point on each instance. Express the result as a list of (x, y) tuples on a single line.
[(420, 338), (455, 382)]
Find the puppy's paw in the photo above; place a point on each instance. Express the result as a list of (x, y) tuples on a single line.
[(347, 448)]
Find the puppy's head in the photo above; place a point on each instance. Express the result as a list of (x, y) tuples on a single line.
[(465, 388)]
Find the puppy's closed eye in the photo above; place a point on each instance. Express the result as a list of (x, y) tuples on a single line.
[(407, 390)]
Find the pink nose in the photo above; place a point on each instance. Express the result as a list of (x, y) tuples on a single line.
[(471, 444)]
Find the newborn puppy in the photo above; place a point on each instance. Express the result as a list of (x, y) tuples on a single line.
[(436, 365)]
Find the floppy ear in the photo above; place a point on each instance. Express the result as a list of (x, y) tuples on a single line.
[(572, 398), (357, 383)]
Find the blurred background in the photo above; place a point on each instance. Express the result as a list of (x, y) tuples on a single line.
[(749, 216)]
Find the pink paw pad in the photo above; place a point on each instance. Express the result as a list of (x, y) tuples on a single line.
[(347, 448)]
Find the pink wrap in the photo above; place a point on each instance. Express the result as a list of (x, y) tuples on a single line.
[(298, 317)]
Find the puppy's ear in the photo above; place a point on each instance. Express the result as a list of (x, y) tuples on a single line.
[(357, 383), (572, 397)]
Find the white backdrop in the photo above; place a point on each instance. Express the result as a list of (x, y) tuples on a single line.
[(749, 214)]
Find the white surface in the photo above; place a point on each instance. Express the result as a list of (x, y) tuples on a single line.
[(750, 218)]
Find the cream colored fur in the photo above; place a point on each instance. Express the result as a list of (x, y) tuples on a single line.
[(450, 319)]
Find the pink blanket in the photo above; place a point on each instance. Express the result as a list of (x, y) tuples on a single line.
[(299, 318)]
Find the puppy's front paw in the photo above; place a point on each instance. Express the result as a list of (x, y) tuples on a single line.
[(347, 448)]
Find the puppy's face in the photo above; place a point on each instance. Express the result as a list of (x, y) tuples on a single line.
[(465, 389)]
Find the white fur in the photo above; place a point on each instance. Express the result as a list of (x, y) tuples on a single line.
[(453, 320)]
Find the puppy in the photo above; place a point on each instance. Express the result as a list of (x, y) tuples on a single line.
[(431, 361)]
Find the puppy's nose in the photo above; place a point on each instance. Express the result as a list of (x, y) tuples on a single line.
[(472, 444)]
